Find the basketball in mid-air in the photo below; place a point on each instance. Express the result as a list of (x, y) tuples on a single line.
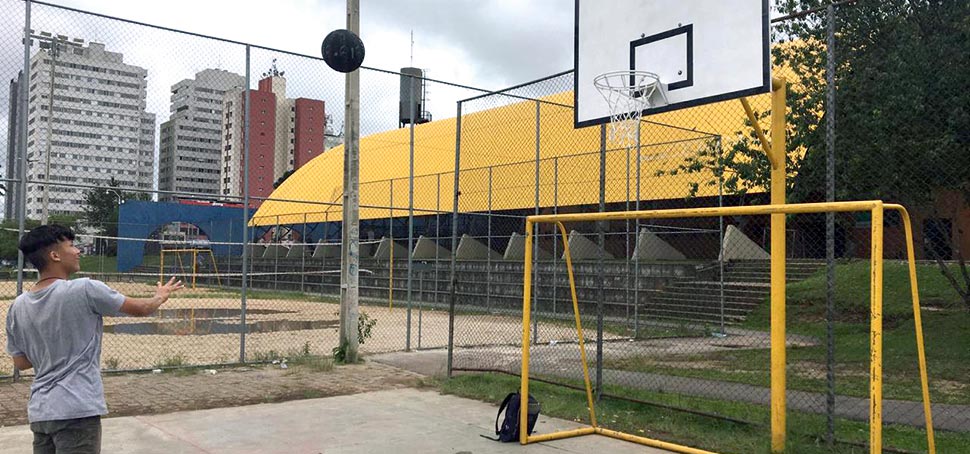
[(343, 50)]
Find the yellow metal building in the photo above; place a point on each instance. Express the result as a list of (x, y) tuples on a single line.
[(504, 138)]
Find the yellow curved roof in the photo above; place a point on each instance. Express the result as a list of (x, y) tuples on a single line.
[(505, 139)]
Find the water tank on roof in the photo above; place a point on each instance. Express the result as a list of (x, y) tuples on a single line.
[(412, 95)]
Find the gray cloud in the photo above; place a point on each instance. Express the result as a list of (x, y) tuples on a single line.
[(506, 42)]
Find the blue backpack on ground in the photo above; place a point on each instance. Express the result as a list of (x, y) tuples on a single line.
[(509, 431)]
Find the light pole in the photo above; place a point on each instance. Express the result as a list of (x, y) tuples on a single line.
[(53, 51), (117, 195), (121, 200), (53, 44)]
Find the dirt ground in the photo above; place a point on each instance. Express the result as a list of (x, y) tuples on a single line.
[(191, 334), (147, 393)]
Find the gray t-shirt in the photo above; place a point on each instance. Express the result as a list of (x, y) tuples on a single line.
[(58, 328)]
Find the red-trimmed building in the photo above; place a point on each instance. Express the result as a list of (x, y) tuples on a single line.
[(284, 135)]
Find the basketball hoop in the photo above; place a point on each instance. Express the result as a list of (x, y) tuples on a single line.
[(628, 93)]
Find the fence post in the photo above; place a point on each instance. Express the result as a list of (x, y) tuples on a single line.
[(488, 240), (303, 256), (555, 241), (245, 255), (636, 260), (276, 257), (22, 174), (437, 235), (410, 215), (535, 245), (323, 254), (390, 261), (830, 226), (601, 229), (720, 229), (627, 252), (228, 267), (454, 245)]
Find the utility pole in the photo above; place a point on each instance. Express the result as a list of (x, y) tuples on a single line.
[(350, 245), (50, 126), (54, 43), (52, 51)]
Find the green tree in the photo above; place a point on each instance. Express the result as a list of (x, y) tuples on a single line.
[(101, 206), (282, 178), (903, 104), (903, 108), (9, 236), (903, 111)]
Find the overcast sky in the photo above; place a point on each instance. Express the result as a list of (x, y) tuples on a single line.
[(489, 44)]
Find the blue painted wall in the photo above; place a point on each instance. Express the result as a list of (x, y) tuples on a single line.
[(138, 219)]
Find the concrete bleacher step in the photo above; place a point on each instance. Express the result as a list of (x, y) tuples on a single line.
[(649, 313), (748, 300), (739, 286), (702, 301)]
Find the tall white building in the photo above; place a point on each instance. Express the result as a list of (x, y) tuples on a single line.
[(190, 143), (99, 131)]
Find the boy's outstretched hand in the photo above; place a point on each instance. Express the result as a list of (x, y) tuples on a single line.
[(164, 291)]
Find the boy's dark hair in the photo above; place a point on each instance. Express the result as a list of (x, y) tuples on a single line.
[(36, 243)]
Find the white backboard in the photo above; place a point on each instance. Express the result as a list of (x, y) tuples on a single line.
[(703, 50)]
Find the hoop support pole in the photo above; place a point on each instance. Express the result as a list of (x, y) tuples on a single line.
[(765, 145), (779, 427)]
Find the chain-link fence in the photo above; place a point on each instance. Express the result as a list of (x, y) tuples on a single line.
[(137, 137), (148, 143), (675, 311)]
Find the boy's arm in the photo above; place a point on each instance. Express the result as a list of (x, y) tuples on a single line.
[(143, 307), (21, 362)]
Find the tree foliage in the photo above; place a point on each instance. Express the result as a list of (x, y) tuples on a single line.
[(282, 178), (9, 238), (902, 110), (101, 208), (903, 104)]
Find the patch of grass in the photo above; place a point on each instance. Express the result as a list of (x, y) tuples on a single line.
[(302, 357), (946, 331), (692, 430), (265, 356), (313, 394), (313, 363), (183, 371), (98, 264), (947, 351), (112, 363), (171, 362), (109, 263), (806, 299)]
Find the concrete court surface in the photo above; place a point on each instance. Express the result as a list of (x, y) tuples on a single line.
[(396, 421)]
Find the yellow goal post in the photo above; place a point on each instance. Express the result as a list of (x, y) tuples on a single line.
[(195, 269), (777, 332)]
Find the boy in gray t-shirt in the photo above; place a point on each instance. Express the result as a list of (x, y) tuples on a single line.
[(56, 328)]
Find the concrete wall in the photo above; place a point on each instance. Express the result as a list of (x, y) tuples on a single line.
[(495, 286)]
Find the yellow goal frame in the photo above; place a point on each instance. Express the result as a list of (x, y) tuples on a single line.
[(178, 256), (875, 207)]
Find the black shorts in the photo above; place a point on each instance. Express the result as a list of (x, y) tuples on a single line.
[(67, 436)]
